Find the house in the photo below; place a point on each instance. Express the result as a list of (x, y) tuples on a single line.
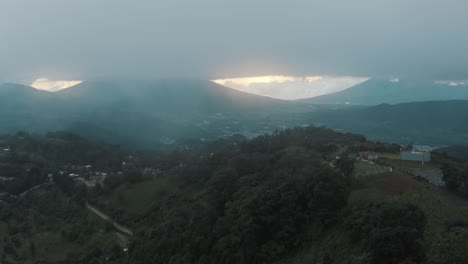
[(369, 155), (6, 149), (422, 148), (415, 155)]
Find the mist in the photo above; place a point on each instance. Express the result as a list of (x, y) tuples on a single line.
[(83, 40)]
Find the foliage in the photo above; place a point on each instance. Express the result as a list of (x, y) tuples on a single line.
[(393, 232), (245, 202), (455, 178)]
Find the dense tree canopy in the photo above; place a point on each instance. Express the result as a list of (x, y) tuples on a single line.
[(245, 202), (393, 232)]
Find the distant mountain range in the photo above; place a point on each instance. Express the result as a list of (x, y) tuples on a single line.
[(149, 114), (459, 152), (378, 91), (143, 113), (433, 122)]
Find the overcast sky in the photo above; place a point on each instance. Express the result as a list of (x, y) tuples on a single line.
[(89, 39)]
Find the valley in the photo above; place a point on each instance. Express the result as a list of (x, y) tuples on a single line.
[(146, 194)]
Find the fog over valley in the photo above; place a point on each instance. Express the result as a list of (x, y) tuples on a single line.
[(233, 132)]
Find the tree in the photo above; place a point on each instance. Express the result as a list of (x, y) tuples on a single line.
[(346, 165), (393, 232), (65, 183), (451, 177)]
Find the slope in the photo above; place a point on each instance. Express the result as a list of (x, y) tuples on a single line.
[(434, 122), (138, 113), (378, 91)]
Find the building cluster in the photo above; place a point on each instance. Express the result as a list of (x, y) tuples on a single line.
[(83, 173), (4, 150), (369, 155), (416, 153)]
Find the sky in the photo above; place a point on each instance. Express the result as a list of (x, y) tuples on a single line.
[(213, 39), (291, 87)]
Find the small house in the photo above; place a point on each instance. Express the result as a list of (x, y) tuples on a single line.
[(369, 155), (415, 155)]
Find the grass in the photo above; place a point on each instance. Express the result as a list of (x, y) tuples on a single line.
[(438, 211), (51, 247), (392, 156), (363, 168), (438, 205), (408, 165), (138, 198), (334, 243), (3, 230)]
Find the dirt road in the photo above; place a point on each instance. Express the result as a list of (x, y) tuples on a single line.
[(119, 227)]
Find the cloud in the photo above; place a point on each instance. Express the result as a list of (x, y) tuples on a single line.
[(453, 83), (53, 86), (210, 39), (291, 87)]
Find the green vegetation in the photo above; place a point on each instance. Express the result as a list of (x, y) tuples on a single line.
[(402, 123), (46, 225), (290, 197), (381, 91), (392, 232), (456, 178), (389, 156), (459, 152)]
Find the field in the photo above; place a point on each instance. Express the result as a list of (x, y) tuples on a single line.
[(408, 165), (439, 206), (389, 156), (136, 199), (365, 168)]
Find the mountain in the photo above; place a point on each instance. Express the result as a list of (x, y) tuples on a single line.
[(378, 91), (169, 97), (286, 197), (434, 122), (25, 108), (139, 113), (148, 114), (459, 152)]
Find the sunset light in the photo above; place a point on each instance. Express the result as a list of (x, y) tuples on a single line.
[(53, 86), (291, 87)]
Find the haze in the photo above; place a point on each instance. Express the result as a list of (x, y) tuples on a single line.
[(81, 40)]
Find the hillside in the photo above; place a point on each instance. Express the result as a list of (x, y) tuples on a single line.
[(155, 114), (436, 122), (295, 196), (166, 96), (138, 113), (378, 91), (25, 108), (459, 152)]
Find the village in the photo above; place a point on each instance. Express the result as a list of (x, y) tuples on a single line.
[(85, 174), (414, 160)]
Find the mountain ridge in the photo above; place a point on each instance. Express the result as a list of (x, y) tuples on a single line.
[(124, 111), (379, 91)]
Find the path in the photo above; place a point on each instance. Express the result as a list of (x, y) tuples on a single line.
[(119, 227)]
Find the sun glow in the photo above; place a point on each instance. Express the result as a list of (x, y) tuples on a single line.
[(266, 79), (291, 87), (53, 86)]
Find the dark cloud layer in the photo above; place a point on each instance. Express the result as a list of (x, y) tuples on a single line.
[(87, 39)]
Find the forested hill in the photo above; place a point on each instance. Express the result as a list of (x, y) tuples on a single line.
[(144, 114), (166, 96), (434, 122), (291, 196), (241, 201), (384, 91), (155, 114)]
